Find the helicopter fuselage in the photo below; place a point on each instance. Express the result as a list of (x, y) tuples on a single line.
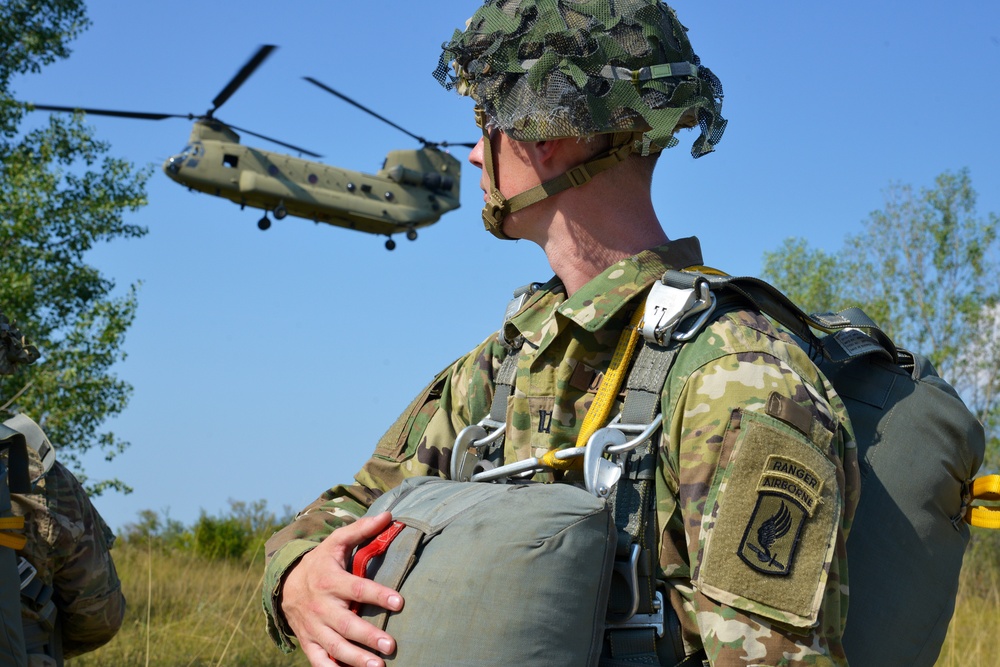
[(413, 189)]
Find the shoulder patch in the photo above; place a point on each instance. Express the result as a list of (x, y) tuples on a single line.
[(776, 512)]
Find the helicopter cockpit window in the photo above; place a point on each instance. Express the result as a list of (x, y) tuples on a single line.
[(230, 160), (191, 151)]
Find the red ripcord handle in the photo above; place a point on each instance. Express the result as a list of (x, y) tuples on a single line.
[(377, 547)]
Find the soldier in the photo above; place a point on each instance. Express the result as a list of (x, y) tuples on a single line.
[(575, 102), (15, 351), (73, 602)]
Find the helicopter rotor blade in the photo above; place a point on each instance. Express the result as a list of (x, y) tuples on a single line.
[(112, 112), (255, 61), (274, 141), (365, 109)]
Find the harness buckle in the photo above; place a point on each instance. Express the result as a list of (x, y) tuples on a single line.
[(654, 620), (578, 175), (667, 307), (514, 306), (26, 571), (495, 209)]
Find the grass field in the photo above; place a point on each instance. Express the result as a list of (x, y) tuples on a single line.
[(187, 610)]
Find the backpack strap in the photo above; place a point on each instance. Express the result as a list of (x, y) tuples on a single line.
[(845, 344)]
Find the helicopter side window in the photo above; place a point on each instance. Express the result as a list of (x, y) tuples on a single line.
[(230, 160)]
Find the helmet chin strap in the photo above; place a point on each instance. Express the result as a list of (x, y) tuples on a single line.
[(498, 207)]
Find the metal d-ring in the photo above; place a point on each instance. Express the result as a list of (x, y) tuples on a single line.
[(471, 440), (599, 474), (644, 434)]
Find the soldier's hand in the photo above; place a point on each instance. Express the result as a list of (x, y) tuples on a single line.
[(316, 594)]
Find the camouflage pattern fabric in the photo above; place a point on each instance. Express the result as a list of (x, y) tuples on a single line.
[(757, 479), (69, 543), (544, 70)]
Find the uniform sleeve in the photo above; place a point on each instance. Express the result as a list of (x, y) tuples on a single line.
[(419, 443), (754, 461), (87, 591)]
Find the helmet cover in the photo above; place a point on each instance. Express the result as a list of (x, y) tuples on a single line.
[(549, 69)]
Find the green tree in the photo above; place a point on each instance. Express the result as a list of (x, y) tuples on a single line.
[(60, 195), (924, 267)]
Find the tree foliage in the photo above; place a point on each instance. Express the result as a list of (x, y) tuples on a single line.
[(924, 267), (239, 533), (61, 194)]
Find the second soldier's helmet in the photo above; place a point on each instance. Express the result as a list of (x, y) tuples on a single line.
[(548, 69)]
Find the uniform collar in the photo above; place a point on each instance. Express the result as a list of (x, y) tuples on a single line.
[(603, 296)]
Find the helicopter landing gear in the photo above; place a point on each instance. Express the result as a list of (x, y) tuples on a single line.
[(390, 244), (264, 223), (280, 212), (411, 234)]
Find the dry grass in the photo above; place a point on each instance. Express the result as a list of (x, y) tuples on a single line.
[(973, 640), (185, 610)]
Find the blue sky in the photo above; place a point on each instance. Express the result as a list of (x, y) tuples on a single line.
[(267, 364)]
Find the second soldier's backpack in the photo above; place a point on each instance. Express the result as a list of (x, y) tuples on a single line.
[(919, 448)]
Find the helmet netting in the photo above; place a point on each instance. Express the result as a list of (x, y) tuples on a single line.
[(540, 70)]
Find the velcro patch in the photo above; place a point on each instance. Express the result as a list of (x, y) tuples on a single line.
[(790, 478), (777, 509)]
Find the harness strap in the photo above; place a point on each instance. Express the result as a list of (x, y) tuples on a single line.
[(366, 554), (18, 479), (633, 591), (12, 540), (504, 383), (600, 408), (985, 488)]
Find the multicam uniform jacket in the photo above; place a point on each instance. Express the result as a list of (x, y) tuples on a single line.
[(68, 544), (757, 479)]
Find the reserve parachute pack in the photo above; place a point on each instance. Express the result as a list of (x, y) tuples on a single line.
[(919, 448), (500, 582)]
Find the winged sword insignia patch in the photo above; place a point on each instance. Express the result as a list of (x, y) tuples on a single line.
[(787, 495)]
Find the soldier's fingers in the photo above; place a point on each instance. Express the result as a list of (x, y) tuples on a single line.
[(352, 641), (346, 586), (317, 655), (361, 530)]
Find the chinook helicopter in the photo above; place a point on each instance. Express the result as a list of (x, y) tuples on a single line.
[(413, 189)]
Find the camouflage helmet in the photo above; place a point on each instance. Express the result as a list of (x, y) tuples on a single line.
[(548, 69), (15, 350)]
